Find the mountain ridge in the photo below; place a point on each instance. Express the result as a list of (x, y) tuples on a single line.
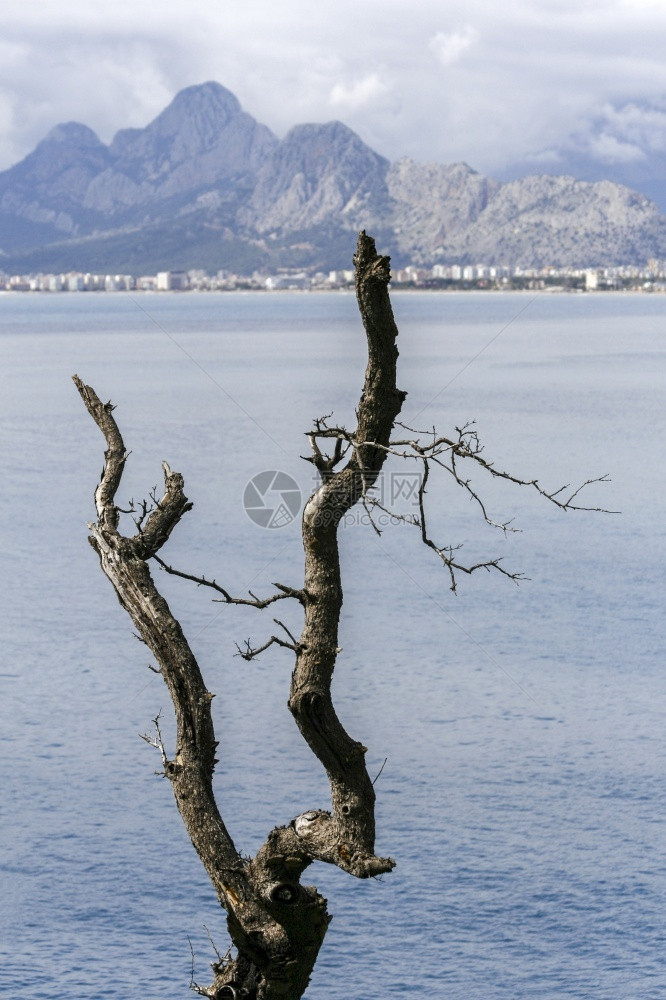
[(206, 185)]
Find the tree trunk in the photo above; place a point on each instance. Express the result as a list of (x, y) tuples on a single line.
[(276, 924)]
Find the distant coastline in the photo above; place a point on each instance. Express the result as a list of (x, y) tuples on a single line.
[(440, 278)]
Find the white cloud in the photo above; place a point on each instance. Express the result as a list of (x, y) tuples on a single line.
[(545, 159), (448, 48), (641, 125), (359, 94), (610, 149)]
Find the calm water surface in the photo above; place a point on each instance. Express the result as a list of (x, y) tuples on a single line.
[(524, 792)]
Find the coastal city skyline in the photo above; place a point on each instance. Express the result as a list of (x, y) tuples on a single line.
[(650, 278)]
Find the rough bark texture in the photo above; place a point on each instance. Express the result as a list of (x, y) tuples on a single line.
[(276, 924), (350, 830)]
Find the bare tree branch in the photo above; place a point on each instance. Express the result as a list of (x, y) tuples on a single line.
[(448, 453), (251, 602), (466, 446), (123, 562), (114, 457), (156, 740), (352, 793), (446, 554), (277, 945)]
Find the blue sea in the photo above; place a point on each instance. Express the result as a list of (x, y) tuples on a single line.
[(523, 792)]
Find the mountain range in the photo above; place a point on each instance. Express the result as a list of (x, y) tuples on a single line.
[(204, 185)]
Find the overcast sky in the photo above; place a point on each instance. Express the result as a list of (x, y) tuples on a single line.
[(466, 80)]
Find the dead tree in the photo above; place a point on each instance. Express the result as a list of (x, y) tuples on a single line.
[(276, 923)]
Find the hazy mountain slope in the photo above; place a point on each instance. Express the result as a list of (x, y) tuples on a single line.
[(41, 198), (319, 173), (543, 220), (433, 204)]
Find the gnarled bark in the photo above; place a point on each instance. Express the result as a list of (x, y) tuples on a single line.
[(276, 923), (352, 825)]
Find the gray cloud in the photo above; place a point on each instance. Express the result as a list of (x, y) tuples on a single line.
[(472, 80)]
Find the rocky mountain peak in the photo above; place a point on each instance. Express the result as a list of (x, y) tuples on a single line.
[(67, 145), (73, 134), (318, 149), (56, 172), (205, 125), (203, 96), (191, 124), (315, 172)]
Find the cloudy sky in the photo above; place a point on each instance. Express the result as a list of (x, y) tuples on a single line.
[(464, 79)]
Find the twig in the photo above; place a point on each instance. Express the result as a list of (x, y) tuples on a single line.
[(380, 770), (249, 652), (283, 626), (156, 740)]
